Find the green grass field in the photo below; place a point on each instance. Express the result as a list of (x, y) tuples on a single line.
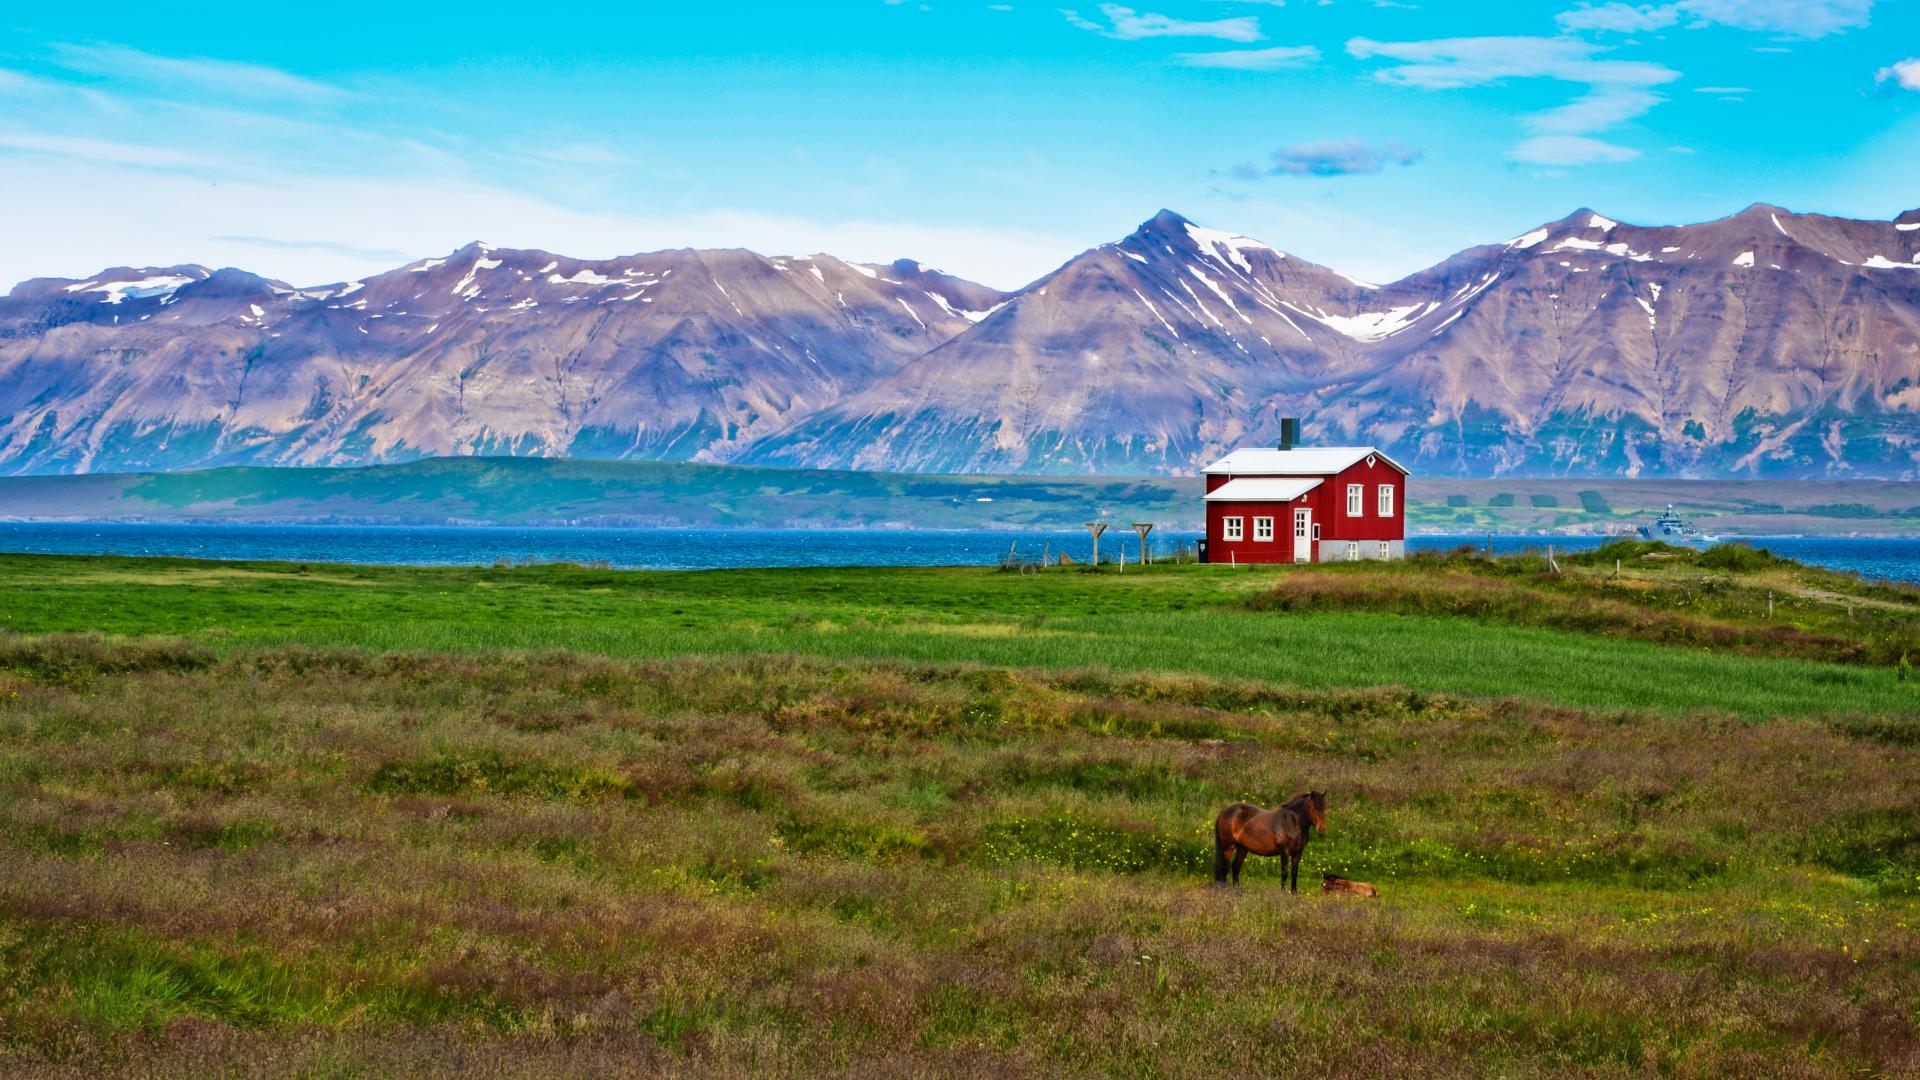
[(259, 819)]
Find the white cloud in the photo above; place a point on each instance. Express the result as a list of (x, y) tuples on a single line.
[(101, 150), (1620, 18), (1129, 25), (231, 77), (13, 82), (1798, 18), (1617, 90), (1280, 56), (383, 256), (1452, 63), (1905, 74), (1570, 150), (1597, 110)]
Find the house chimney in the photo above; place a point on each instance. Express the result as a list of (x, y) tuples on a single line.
[(1289, 432)]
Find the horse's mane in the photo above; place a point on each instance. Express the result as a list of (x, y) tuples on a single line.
[(1310, 806)]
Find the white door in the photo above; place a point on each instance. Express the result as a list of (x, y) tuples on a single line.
[(1303, 534)]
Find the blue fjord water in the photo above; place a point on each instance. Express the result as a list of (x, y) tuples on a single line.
[(1894, 558)]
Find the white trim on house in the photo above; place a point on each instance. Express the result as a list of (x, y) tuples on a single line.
[(1356, 500), (1233, 529), (1261, 489), (1301, 461), (1386, 500)]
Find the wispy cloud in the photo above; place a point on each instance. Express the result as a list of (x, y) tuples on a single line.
[(324, 247), (1570, 150), (1126, 24), (1905, 74), (1329, 157), (1274, 59), (1452, 63), (231, 77), (573, 155), (1617, 90), (1620, 18), (1723, 90), (101, 150), (1596, 110), (1796, 18), (13, 82)]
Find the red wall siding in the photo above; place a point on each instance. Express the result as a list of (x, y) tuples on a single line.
[(1249, 550), (1369, 525)]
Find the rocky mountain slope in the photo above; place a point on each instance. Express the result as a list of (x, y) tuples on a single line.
[(1766, 343), (669, 355), (1763, 344)]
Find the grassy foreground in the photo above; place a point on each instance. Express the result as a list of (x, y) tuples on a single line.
[(259, 819)]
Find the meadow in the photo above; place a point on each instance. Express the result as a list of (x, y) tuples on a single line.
[(259, 819)]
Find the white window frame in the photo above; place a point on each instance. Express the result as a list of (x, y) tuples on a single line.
[(1233, 529), (1356, 500), (1386, 500), (1353, 551), (1386, 549), (1263, 529)]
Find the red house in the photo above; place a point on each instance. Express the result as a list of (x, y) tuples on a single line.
[(1305, 504)]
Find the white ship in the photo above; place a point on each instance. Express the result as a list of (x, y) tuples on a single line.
[(1671, 528)]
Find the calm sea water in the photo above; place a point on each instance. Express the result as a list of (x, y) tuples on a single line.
[(692, 549)]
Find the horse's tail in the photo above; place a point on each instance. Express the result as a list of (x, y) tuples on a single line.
[(1222, 842)]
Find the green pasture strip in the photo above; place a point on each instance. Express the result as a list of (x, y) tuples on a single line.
[(1180, 619)]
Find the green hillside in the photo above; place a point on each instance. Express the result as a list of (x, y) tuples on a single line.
[(537, 491)]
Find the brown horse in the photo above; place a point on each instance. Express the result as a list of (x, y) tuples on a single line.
[(1284, 831)]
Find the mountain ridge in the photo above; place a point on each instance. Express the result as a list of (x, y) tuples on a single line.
[(1762, 343)]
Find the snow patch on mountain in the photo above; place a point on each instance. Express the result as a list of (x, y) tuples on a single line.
[(1209, 241), (580, 277), (1371, 325), (141, 289)]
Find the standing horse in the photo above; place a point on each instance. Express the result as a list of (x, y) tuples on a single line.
[(1243, 828)]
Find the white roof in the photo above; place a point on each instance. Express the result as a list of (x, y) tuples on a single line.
[(1261, 489), (1300, 461)]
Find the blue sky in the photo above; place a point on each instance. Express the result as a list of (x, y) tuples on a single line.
[(994, 140)]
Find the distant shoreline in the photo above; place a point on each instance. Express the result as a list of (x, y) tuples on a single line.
[(1912, 532), (574, 493)]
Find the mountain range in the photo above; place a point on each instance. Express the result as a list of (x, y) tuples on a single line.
[(1764, 344)]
